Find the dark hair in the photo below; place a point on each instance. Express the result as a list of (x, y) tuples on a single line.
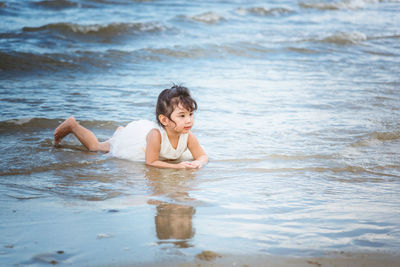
[(169, 99)]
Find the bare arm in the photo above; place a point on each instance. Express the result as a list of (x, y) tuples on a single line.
[(153, 152), (199, 155)]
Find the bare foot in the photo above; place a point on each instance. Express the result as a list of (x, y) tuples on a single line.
[(64, 129)]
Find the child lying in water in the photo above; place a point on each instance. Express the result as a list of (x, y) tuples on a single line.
[(169, 141)]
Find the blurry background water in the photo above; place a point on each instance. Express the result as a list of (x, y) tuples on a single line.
[(299, 108)]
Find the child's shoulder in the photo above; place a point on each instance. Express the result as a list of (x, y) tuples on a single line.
[(154, 134)]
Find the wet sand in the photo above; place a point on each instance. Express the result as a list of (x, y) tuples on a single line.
[(210, 259)]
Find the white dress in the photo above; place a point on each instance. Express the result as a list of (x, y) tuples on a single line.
[(130, 143)]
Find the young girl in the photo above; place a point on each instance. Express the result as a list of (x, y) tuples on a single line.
[(174, 113)]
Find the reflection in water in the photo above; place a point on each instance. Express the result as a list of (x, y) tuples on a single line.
[(173, 221)]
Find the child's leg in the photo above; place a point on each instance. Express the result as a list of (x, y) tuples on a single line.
[(85, 136)]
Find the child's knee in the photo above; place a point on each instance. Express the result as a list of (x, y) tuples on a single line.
[(72, 121)]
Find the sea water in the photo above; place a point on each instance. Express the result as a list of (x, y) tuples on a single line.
[(299, 112)]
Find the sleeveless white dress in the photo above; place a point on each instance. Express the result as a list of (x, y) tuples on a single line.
[(130, 143)]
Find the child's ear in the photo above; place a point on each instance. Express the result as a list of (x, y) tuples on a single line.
[(163, 119)]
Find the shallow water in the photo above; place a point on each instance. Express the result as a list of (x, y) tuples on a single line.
[(298, 110)]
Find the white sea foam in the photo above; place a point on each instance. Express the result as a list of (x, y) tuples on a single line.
[(208, 17)]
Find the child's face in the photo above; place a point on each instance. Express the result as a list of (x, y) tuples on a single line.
[(182, 120)]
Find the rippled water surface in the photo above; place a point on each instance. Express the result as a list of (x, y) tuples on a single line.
[(299, 108)]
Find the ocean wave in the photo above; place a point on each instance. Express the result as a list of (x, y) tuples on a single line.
[(97, 30), (25, 63), (261, 11), (240, 49), (345, 4), (376, 138), (349, 38), (390, 36), (302, 50), (208, 17), (59, 4), (21, 61), (345, 38), (38, 124), (178, 52), (27, 125)]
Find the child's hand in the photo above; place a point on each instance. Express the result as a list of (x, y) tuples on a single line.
[(190, 165), (197, 164)]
